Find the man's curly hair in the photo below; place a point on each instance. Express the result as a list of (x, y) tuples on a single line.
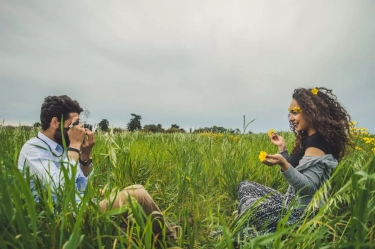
[(57, 106), (327, 116)]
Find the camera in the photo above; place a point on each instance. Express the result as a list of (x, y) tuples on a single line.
[(86, 126)]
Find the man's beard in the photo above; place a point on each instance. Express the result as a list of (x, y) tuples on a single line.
[(59, 139)]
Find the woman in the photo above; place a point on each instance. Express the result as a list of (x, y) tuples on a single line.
[(321, 127)]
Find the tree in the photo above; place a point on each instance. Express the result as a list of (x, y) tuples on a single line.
[(153, 128), (118, 130), (135, 123), (213, 129), (175, 128), (103, 125), (37, 124)]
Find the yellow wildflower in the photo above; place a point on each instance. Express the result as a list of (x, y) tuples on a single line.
[(373, 150), (368, 140), (364, 129), (365, 133), (315, 91), (352, 123), (295, 109), (270, 132), (233, 138), (262, 156), (358, 148)]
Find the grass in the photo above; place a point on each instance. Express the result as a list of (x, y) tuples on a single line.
[(188, 175)]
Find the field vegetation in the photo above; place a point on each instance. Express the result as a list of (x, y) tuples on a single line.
[(190, 176)]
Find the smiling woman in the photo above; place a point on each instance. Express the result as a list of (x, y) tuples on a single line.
[(321, 126)]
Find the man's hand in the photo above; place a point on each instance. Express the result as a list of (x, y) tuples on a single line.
[(276, 159), (76, 134), (87, 145), (278, 141)]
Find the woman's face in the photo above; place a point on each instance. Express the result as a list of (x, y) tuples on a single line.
[(297, 119)]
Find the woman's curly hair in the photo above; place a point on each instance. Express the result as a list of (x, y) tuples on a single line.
[(327, 116)]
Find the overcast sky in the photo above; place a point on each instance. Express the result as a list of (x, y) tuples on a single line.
[(192, 63)]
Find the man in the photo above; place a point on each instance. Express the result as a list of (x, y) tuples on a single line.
[(45, 154)]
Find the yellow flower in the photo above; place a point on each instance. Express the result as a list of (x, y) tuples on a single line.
[(373, 150), (358, 148), (262, 156), (270, 132), (352, 123), (364, 129), (315, 91), (188, 178), (295, 109), (365, 133)]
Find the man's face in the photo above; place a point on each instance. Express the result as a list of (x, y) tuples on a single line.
[(58, 136)]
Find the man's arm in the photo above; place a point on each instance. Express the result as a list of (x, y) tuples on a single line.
[(86, 148), (39, 160), (81, 140), (48, 168)]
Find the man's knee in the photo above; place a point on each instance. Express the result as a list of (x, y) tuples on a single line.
[(135, 186), (137, 192), (140, 194)]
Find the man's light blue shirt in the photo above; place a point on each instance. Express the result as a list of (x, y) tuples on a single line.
[(45, 163)]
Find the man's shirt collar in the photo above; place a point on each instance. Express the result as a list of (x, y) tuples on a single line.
[(55, 147)]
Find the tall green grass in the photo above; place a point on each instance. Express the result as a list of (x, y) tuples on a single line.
[(189, 176)]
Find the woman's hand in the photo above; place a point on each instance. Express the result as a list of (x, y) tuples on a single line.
[(278, 141), (277, 159)]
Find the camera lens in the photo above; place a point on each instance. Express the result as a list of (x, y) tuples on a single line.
[(87, 126)]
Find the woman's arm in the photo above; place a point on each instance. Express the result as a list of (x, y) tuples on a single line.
[(309, 180)]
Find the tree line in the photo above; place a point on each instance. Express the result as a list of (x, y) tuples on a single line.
[(135, 125)]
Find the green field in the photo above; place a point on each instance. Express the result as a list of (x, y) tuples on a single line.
[(189, 176)]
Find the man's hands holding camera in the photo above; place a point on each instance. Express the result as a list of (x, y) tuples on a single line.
[(76, 134), (81, 139)]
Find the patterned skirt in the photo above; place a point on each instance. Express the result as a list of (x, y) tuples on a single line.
[(267, 206)]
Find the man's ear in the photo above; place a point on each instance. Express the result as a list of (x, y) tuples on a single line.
[(54, 123)]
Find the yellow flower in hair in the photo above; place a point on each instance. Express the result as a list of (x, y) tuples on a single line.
[(262, 156), (270, 132), (315, 91), (295, 109)]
